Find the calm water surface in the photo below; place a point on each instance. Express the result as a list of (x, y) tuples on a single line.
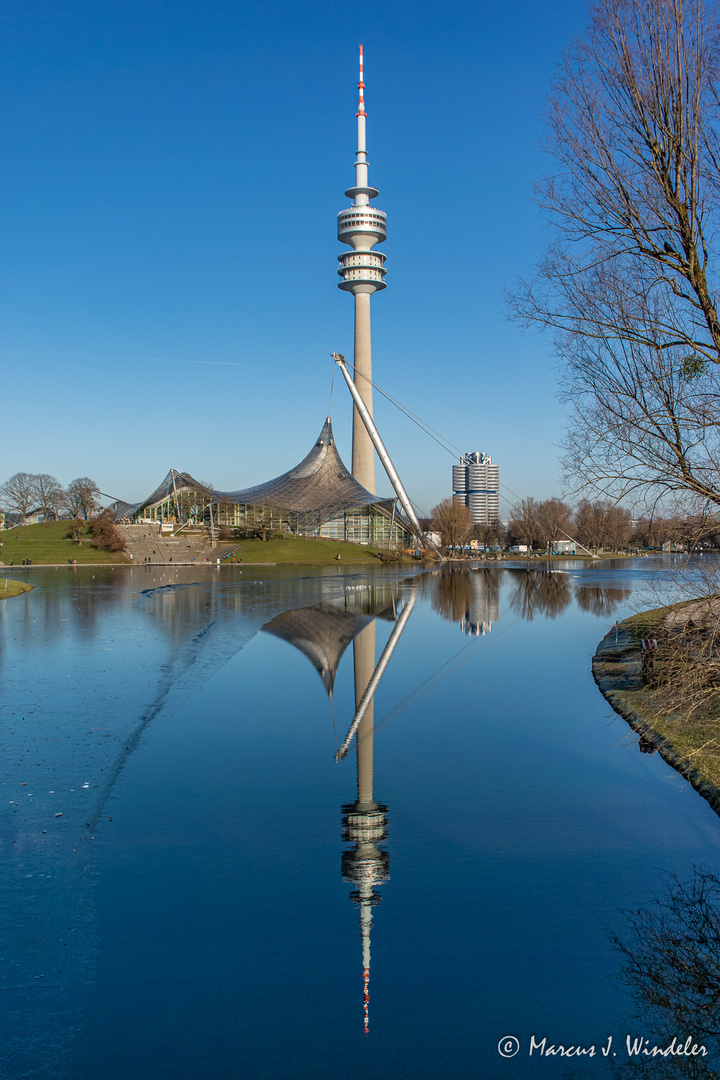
[(193, 886)]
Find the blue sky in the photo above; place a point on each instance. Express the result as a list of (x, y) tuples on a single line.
[(172, 173)]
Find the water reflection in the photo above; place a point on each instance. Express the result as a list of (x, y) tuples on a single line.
[(366, 864), (526, 861), (539, 592), (96, 658), (599, 601), (671, 965), (322, 633), (471, 599)]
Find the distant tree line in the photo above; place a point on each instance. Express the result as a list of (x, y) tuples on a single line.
[(596, 526), (25, 493)]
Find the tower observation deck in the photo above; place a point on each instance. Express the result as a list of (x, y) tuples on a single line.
[(362, 271)]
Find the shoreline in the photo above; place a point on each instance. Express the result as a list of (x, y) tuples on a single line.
[(617, 671)]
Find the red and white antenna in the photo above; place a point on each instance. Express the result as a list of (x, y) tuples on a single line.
[(361, 89)]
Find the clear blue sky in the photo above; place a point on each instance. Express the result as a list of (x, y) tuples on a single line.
[(172, 171)]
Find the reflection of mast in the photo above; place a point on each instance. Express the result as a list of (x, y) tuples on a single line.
[(365, 821), (366, 696)]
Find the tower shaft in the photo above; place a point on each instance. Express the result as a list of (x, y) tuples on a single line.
[(363, 451)]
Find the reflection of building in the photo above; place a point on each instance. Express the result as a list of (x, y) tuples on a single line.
[(318, 497), (322, 633), (361, 227), (476, 484), (469, 598), (484, 608)]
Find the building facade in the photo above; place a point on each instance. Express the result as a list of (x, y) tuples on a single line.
[(476, 484), (318, 497)]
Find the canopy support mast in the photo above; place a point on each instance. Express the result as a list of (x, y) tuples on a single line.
[(383, 455)]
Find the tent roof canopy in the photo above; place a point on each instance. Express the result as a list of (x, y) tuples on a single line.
[(319, 483)]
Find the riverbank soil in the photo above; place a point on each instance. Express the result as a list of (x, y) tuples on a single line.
[(669, 693)]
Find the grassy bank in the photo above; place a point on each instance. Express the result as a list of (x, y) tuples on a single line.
[(683, 726), (49, 542), (8, 587), (293, 549)]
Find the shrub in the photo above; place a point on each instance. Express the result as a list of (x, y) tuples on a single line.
[(106, 535)]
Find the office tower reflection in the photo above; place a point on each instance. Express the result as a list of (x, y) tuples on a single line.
[(484, 608), (470, 598)]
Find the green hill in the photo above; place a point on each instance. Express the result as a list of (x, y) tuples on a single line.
[(295, 549), (50, 542)]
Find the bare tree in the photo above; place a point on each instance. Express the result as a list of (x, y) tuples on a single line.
[(602, 524), (643, 422), (49, 495), (18, 493), (490, 533), (630, 282), (538, 523), (80, 497), (554, 520), (523, 523), (453, 521)]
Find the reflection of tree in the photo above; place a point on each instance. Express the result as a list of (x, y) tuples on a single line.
[(543, 592), (599, 601), (452, 593), (671, 965)]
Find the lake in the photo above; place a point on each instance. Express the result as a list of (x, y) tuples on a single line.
[(204, 878)]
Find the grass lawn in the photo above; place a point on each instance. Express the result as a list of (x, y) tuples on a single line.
[(48, 543), (292, 549), (8, 587)]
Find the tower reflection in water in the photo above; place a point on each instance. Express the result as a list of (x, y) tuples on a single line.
[(322, 633)]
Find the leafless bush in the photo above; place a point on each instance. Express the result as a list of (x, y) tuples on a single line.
[(106, 535)]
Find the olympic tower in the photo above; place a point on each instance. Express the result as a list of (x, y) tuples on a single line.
[(362, 270)]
